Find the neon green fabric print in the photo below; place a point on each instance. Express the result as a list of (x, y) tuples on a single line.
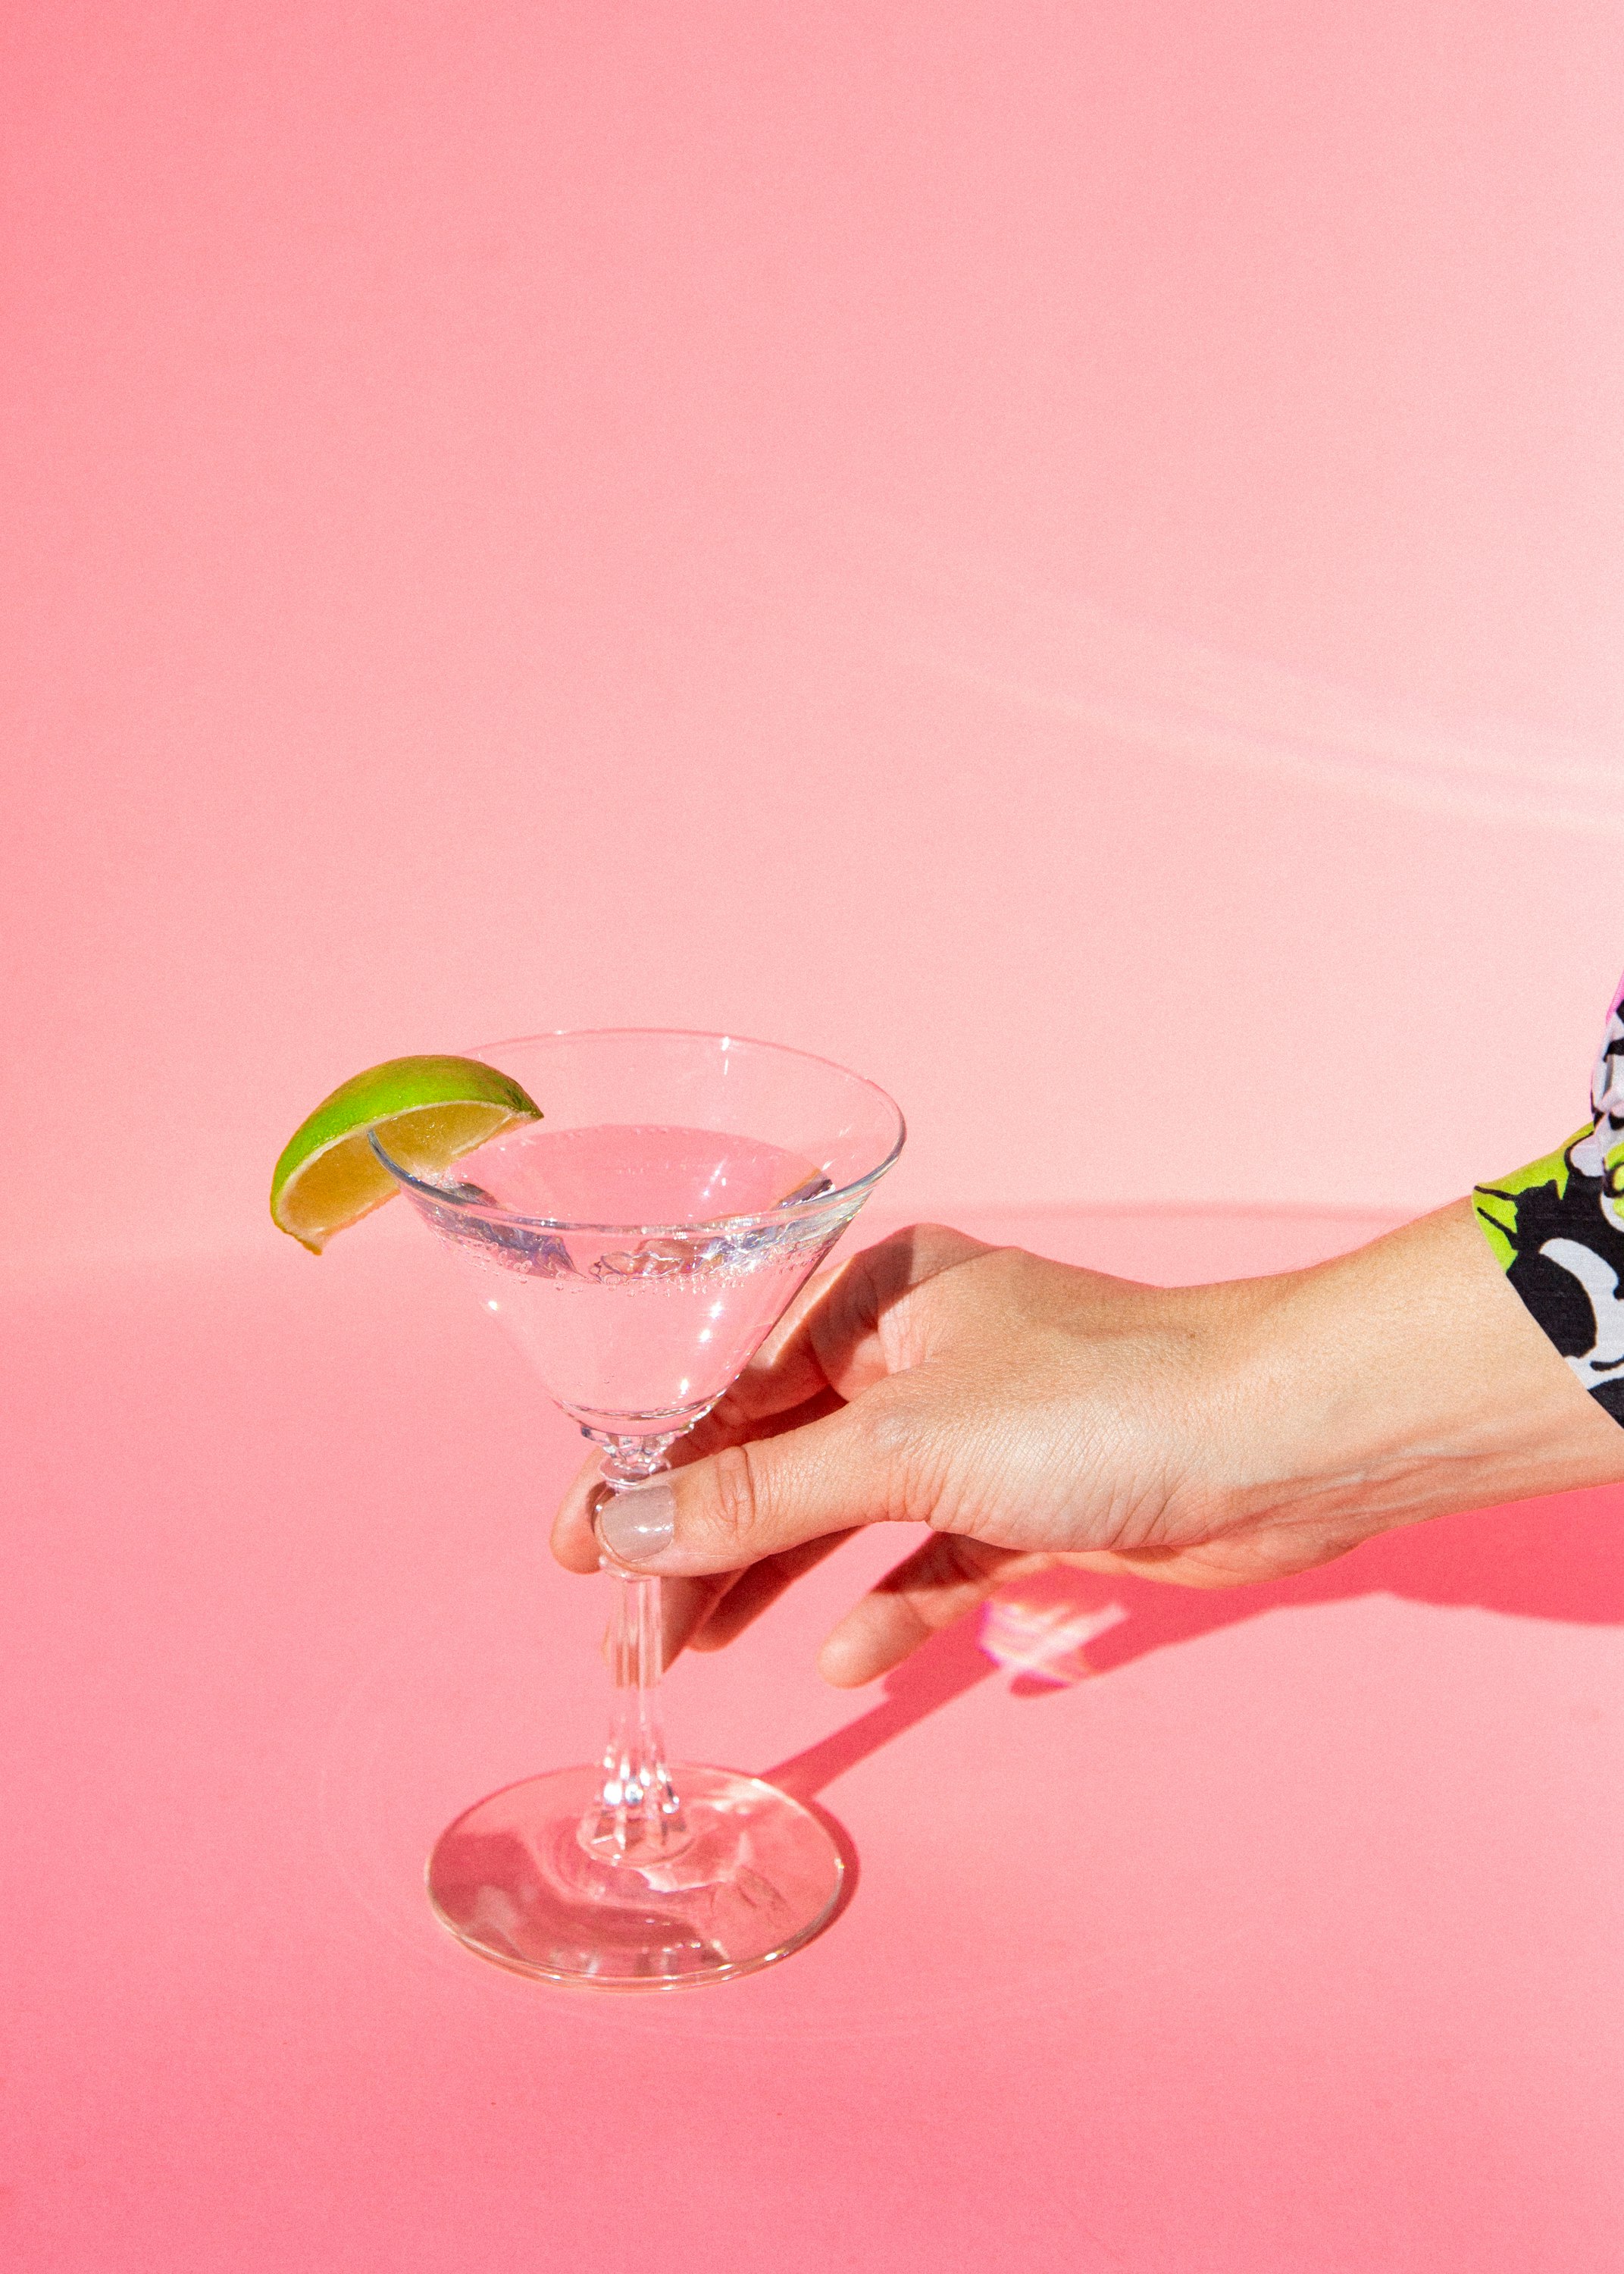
[(1556, 1228)]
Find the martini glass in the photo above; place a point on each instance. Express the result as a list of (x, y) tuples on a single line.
[(639, 1243)]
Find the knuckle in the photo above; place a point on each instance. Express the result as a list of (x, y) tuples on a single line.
[(883, 1429), (1007, 1266), (900, 1457), (733, 1505), (934, 1247)]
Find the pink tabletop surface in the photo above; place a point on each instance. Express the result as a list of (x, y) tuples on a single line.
[(1269, 1931), (1066, 557)]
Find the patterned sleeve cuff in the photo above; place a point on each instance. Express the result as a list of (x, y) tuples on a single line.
[(1556, 1231)]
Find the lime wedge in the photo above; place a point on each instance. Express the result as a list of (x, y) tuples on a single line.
[(429, 1111)]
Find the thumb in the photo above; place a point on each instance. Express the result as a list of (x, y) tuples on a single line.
[(755, 1499)]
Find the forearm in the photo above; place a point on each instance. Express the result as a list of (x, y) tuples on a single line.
[(1406, 1380)]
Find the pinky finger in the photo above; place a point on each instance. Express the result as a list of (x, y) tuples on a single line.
[(926, 1592)]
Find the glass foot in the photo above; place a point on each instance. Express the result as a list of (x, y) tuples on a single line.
[(754, 1876)]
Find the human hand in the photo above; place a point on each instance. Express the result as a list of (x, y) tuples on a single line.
[(1033, 1413)]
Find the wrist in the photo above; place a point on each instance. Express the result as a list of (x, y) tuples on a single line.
[(1400, 1382)]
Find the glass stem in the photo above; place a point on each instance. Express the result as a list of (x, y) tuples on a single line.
[(637, 1817)]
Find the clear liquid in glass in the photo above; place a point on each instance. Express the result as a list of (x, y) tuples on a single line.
[(645, 1328)]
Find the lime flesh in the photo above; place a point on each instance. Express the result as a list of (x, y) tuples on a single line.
[(428, 1111)]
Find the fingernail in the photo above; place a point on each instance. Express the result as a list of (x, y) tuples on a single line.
[(636, 1524)]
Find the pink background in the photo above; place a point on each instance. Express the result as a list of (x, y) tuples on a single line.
[(1067, 557)]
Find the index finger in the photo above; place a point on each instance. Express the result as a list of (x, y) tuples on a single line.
[(832, 1336)]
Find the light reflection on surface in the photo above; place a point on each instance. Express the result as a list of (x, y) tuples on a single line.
[(1045, 1640)]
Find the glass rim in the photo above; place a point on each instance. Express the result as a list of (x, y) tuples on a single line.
[(492, 1211)]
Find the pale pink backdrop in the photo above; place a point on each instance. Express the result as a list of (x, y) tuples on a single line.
[(1066, 556), (1069, 556)]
